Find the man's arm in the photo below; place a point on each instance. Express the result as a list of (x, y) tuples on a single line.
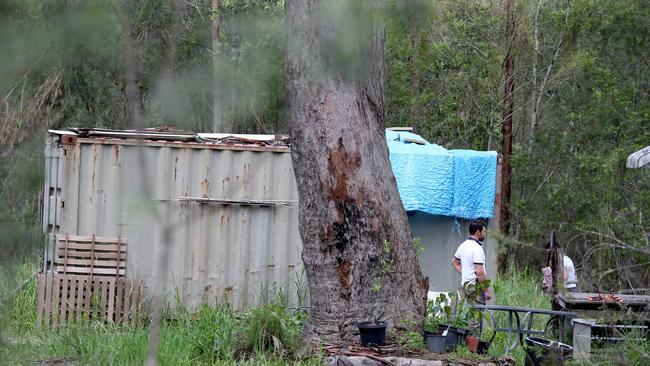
[(480, 276), (480, 272), (456, 263)]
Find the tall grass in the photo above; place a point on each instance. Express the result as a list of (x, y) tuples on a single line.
[(219, 335), (521, 288)]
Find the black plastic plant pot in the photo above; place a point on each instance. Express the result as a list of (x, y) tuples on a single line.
[(454, 336), (372, 334), (541, 351), (483, 347), (436, 342)]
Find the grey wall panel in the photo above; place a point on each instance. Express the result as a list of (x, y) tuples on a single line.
[(218, 252)]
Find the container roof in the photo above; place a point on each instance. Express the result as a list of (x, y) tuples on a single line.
[(166, 134)]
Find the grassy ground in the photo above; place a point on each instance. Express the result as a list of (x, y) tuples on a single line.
[(210, 335), (264, 336)]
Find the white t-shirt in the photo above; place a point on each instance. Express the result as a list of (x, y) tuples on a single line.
[(469, 253), (571, 280)]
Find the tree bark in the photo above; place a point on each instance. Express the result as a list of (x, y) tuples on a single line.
[(357, 250), (509, 90)]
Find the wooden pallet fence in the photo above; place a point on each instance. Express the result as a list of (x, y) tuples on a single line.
[(65, 298), (92, 255)]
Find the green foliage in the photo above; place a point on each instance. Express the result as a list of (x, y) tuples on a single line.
[(417, 244), (269, 329), (521, 287), (633, 351), (462, 355), (438, 310), (456, 101), (210, 335), (386, 265), (410, 341), (575, 181)]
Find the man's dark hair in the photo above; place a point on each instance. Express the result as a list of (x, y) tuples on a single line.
[(476, 225)]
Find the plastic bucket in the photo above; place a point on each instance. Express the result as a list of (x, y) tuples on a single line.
[(541, 351), (436, 342), (372, 334)]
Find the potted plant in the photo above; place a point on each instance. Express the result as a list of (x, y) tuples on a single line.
[(457, 327), (373, 332), (486, 337), (468, 314), (436, 309)]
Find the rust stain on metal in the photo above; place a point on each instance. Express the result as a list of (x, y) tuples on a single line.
[(175, 168), (94, 169), (229, 292), (205, 184), (190, 145), (116, 153), (68, 140)]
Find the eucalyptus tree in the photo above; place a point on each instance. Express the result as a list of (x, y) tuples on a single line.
[(357, 247)]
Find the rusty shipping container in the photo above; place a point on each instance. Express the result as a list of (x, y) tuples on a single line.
[(229, 202)]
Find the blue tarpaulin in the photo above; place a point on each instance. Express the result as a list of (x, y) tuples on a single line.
[(432, 179)]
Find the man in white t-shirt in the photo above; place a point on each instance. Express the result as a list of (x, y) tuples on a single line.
[(469, 259)]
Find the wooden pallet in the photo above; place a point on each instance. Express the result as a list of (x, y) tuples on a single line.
[(91, 255), (64, 298)]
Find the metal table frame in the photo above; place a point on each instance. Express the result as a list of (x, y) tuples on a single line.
[(527, 321)]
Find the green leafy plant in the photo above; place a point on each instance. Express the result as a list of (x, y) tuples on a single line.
[(438, 310), (410, 341), (386, 263), (417, 244)]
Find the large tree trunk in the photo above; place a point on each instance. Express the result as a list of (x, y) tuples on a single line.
[(357, 247)]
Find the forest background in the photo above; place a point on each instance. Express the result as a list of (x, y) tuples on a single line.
[(581, 102)]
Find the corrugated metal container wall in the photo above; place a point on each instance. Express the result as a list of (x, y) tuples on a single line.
[(239, 253)]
